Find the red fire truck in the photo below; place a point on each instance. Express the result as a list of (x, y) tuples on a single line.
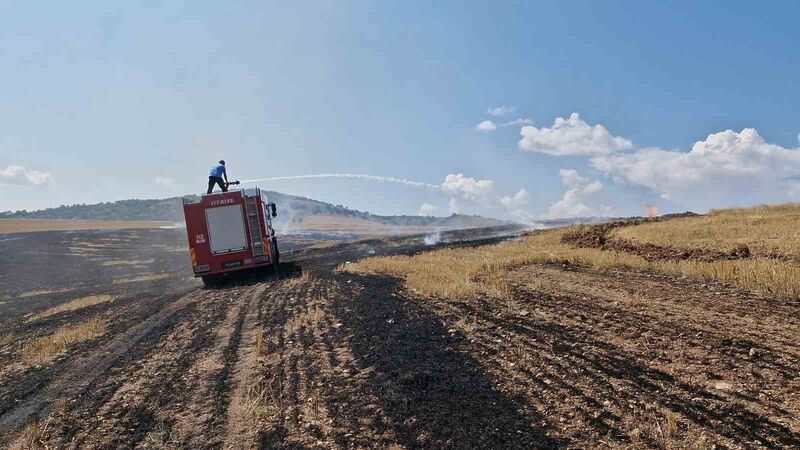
[(230, 231)]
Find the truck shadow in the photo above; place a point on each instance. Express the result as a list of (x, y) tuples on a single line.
[(428, 391)]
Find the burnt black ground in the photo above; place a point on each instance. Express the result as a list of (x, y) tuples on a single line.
[(311, 357), (147, 273)]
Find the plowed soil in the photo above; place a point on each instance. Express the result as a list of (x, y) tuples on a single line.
[(309, 357)]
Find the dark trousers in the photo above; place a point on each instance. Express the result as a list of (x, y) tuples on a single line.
[(216, 180)]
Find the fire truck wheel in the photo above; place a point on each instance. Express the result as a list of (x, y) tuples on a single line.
[(277, 251), (209, 281)]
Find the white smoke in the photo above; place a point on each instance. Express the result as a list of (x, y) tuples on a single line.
[(174, 226), (380, 179), (433, 238)]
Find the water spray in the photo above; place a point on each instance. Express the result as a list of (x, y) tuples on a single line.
[(380, 179)]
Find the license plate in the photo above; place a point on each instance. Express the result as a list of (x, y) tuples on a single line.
[(228, 265)]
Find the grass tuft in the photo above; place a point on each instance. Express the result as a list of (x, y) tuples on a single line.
[(78, 303), (42, 349), (33, 436)]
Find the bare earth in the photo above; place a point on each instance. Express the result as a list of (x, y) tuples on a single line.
[(313, 358)]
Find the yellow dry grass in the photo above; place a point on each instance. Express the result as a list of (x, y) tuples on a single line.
[(32, 437), (762, 275), (766, 230), (72, 305), (44, 348), (132, 262), (42, 292), (6, 338), (151, 277), (467, 272)]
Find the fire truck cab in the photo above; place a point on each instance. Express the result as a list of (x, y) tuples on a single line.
[(230, 231)]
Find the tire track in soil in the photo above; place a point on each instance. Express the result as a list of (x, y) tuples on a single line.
[(307, 375), (128, 401), (131, 404), (200, 424), (120, 317), (236, 431), (79, 379), (145, 408), (271, 413)]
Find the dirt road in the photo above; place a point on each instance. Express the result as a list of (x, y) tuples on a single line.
[(314, 358)]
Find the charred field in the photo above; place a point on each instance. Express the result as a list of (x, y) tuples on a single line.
[(319, 355)]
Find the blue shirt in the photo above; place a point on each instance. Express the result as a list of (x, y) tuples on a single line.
[(217, 171)]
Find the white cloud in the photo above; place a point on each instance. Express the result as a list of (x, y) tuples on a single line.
[(517, 122), (486, 126), (19, 175), (571, 136), (517, 201), (573, 203), (467, 187), (570, 177), (498, 111), (164, 181), (726, 169), (426, 209)]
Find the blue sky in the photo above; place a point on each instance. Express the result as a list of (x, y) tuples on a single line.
[(103, 101)]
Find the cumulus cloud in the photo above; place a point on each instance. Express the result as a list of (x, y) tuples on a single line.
[(517, 201), (570, 177), (725, 169), (486, 126), (571, 136), (164, 181), (426, 209), (467, 187), (498, 111), (580, 191), (19, 175)]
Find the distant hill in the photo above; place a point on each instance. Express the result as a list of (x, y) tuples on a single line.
[(291, 210)]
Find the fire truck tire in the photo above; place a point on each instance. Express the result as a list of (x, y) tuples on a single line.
[(277, 252), (209, 281)]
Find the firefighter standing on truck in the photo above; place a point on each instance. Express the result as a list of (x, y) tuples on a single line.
[(215, 177)]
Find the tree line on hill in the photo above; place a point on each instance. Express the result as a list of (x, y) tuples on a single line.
[(290, 207)]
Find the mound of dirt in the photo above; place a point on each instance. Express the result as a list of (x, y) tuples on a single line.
[(652, 252), (597, 236)]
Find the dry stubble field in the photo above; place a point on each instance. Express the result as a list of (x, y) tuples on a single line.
[(558, 339)]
